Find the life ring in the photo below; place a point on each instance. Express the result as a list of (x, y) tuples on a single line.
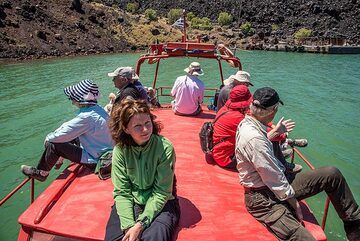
[(223, 50), (153, 60)]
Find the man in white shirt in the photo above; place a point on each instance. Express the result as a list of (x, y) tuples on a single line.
[(271, 196), (188, 91)]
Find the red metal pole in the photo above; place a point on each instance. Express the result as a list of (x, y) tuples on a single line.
[(184, 33), (32, 190), (221, 72), (14, 191), (304, 159), (156, 74), (292, 155), (326, 210)]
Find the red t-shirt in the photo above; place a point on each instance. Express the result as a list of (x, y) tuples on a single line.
[(224, 134), (278, 138)]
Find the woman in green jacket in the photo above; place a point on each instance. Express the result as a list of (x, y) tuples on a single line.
[(146, 206)]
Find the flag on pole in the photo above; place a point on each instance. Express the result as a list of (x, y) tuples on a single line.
[(179, 23)]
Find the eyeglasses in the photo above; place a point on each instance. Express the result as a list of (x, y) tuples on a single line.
[(276, 107), (121, 78), (247, 84)]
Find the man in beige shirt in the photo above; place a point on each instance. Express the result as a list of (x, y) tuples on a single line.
[(270, 195)]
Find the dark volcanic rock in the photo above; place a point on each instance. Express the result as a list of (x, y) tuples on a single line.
[(77, 6), (93, 19), (155, 31), (40, 34), (290, 16), (2, 13), (36, 28)]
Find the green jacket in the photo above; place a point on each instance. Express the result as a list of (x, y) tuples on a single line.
[(144, 175)]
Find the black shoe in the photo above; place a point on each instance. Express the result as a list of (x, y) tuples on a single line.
[(352, 230), (292, 167), (33, 173), (297, 142), (287, 152)]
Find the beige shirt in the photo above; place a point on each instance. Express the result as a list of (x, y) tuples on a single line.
[(256, 162)]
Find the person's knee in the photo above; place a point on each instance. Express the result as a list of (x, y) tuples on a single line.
[(333, 172), (49, 145), (159, 230)]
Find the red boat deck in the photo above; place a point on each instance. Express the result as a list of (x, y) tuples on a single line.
[(211, 198)]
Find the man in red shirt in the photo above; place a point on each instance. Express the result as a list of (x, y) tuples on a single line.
[(227, 120)]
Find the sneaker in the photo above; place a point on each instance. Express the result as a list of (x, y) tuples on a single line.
[(352, 230), (33, 173), (297, 142), (292, 167), (287, 152)]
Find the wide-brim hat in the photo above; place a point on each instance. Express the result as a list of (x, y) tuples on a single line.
[(194, 69), (85, 92), (240, 98), (240, 76)]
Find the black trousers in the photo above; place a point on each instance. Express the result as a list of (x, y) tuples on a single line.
[(279, 217), (161, 229), (53, 151)]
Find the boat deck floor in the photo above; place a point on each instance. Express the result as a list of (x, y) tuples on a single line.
[(211, 198)]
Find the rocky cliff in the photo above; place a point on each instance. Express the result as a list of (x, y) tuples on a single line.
[(325, 18), (36, 28)]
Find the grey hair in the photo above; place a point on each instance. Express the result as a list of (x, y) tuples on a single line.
[(260, 112)]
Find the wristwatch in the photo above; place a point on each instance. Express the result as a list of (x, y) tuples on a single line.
[(143, 222)]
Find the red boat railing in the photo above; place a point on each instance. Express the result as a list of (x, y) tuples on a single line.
[(16, 189), (164, 91), (52, 200)]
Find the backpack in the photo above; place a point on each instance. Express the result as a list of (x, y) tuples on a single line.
[(103, 166), (206, 135)]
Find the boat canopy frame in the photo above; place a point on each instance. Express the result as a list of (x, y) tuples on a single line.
[(193, 49)]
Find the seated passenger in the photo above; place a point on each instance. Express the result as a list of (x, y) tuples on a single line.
[(89, 127), (146, 206), (108, 107), (271, 196), (226, 122), (278, 134), (146, 93), (240, 78), (123, 81), (188, 91), (152, 97), (142, 89)]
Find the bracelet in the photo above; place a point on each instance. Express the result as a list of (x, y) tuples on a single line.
[(142, 224)]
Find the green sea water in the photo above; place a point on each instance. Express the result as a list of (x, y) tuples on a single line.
[(321, 93)]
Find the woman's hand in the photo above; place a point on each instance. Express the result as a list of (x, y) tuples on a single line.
[(133, 233)]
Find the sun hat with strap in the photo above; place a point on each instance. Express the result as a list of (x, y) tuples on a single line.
[(85, 92)]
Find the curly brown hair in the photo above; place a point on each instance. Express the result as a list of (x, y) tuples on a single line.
[(120, 117)]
